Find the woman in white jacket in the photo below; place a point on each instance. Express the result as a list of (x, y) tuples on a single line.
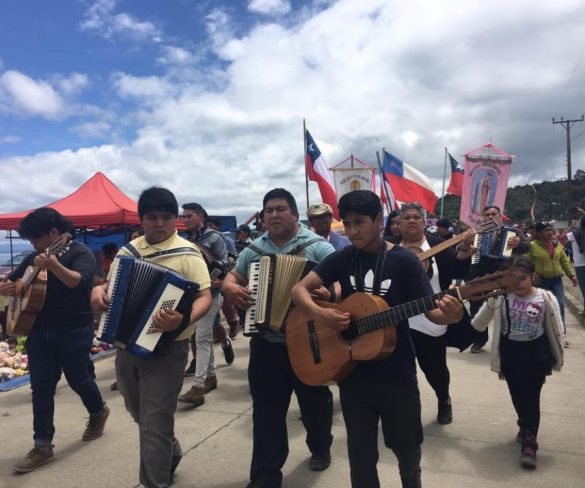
[(527, 344)]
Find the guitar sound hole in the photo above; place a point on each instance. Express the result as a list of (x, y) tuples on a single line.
[(349, 334)]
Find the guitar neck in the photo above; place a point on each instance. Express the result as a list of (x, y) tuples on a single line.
[(442, 246), (397, 314)]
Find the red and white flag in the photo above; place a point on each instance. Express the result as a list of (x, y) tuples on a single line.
[(318, 171), (409, 184)]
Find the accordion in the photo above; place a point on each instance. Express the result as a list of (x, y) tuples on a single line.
[(270, 282), (216, 268), (493, 245), (137, 290)]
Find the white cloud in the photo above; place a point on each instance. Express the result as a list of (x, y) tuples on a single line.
[(413, 76), (270, 7), (93, 130), (32, 96), (147, 88), (73, 84), (100, 18), (10, 139), (175, 55)]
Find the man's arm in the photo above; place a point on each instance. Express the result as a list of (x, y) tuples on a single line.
[(168, 320), (449, 311), (68, 277), (234, 290), (301, 294)]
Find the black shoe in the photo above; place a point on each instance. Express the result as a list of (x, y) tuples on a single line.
[(190, 371), (174, 465), (228, 352), (445, 415), (320, 461), (475, 348), (114, 386)]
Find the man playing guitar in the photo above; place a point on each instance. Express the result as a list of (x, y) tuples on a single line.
[(385, 389), (62, 332)]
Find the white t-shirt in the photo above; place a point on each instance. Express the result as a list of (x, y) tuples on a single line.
[(526, 317), (420, 322), (578, 258)]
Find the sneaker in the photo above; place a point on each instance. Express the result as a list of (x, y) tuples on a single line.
[(190, 371), (114, 386), (320, 461), (228, 352), (445, 414), (475, 348), (95, 425), (36, 457), (528, 457), (194, 397)]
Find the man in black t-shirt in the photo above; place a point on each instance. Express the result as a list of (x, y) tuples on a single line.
[(62, 332), (384, 389)]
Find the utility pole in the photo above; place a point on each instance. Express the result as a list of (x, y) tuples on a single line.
[(567, 124)]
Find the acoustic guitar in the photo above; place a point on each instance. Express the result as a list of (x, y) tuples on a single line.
[(320, 353), (424, 256), (30, 292)]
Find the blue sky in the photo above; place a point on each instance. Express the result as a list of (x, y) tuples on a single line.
[(208, 97)]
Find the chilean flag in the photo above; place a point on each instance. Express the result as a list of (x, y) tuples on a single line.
[(387, 195), (318, 171), (409, 184), (456, 184)]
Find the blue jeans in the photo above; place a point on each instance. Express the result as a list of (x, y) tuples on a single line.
[(558, 290), (53, 349)]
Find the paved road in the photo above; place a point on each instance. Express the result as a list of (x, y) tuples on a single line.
[(477, 450)]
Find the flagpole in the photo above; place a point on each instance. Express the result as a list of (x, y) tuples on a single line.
[(305, 161), (444, 177), (382, 178)]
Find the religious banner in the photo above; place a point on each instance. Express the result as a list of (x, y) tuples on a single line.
[(485, 181), (353, 178)]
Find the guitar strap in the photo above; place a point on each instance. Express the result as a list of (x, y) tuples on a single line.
[(380, 260)]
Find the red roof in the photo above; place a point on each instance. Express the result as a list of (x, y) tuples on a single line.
[(96, 203)]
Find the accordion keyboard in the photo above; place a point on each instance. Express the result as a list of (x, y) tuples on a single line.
[(253, 285)]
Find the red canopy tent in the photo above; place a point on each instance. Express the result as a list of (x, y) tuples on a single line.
[(98, 202)]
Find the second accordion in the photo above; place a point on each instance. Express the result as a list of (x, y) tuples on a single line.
[(137, 290), (270, 282)]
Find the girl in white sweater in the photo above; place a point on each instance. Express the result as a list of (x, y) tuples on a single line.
[(527, 345)]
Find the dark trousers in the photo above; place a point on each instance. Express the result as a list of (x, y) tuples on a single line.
[(272, 382), (364, 403), (485, 267), (52, 349), (482, 337), (431, 353), (555, 285), (525, 393)]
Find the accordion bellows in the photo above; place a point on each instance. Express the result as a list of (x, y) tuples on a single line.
[(137, 290), (271, 281)]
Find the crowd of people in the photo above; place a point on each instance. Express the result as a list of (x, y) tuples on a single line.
[(373, 258)]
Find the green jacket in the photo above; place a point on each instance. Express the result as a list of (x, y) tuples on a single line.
[(547, 267)]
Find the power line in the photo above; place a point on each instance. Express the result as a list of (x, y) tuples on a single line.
[(567, 124)]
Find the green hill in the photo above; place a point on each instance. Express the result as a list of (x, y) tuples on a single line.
[(551, 201)]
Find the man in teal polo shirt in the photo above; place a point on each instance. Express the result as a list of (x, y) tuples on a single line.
[(270, 374)]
